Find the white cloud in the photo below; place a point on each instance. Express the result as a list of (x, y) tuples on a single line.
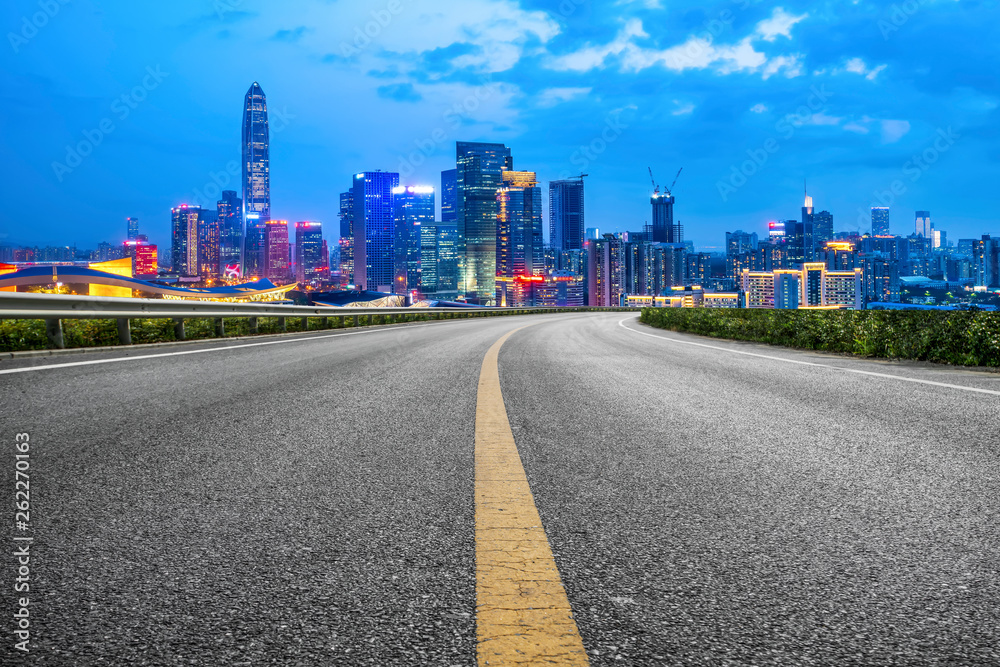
[(894, 130), (758, 108), (682, 109), (550, 97), (856, 127), (648, 4), (779, 25), (694, 53), (858, 66)]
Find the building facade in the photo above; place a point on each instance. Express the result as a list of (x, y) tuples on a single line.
[(566, 215), (374, 230), (256, 178), (478, 177)]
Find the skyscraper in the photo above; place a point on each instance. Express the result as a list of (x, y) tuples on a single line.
[(374, 230), (449, 193), (566, 219), (518, 234), (605, 271), (184, 239), (276, 255), (208, 244), (413, 206), (133, 229), (663, 229), (478, 166), (923, 224), (347, 237), (880, 221), (230, 210), (256, 177), (309, 260), (822, 228)]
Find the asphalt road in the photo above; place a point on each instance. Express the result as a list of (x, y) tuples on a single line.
[(311, 501)]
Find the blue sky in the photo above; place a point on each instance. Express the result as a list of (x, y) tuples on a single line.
[(872, 103)]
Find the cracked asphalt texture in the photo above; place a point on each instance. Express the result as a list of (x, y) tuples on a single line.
[(311, 502)]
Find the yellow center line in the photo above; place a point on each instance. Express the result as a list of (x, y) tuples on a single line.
[(523, 616)]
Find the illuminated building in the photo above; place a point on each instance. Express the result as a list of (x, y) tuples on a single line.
[(663, 229), (880, 221), (605, 271), (801, 248), (256, 179), (518, 231), (449, 196), (811, 287), (566, 214), (347, 237), (277, 260), (133, 229), (256, 154), (184, 239), (881, 275), (374, 230), (230, 211), (413, 207), (143, 256), (560, 289), (787, 289), (309, 252), (923, 225), (447, 261), (775, 229), (822, 227), (685, 297), (698, 268), (478, 177), (208, 244)]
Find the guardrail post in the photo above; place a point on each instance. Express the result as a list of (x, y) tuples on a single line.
[(324, 322), (283, 323), (179, 333), (305, 324), (220, 327), (254, 325), (357, 321), (124, 331), (54, 331)]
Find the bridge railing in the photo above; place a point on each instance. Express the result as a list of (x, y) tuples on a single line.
[(54, 308)]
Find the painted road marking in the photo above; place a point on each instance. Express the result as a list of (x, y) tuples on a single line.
[(810, 363), (523, 616), (381, 329)]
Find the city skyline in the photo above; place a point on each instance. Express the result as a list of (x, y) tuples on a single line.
[(549, 95)]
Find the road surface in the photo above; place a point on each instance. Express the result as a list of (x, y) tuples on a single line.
[(313, 500)]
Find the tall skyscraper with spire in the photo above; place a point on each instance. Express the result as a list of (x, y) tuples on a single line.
[(256, 178)]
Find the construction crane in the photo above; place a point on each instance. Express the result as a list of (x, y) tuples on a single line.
[(669, 190), (656, 188)]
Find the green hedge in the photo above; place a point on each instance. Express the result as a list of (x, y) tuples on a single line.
[(958, 337)]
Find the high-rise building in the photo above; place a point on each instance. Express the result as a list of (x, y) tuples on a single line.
[(880, 221), (133, 229), (923, 225), (208, 244), (413, 207), (449, 196), (447, 261), (519, 252), (143, 256), (428, 258), (822, 228), (566, 215), (663, 229), (807, 209), (374, 230), (276, 251), (346, 244), (593, 233), (801, 246), (230, 211), (479, 167), (256, 178), (605, 271), (309, 253), (184, 239)]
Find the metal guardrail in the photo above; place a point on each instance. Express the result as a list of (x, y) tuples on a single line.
[(53, 308)]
